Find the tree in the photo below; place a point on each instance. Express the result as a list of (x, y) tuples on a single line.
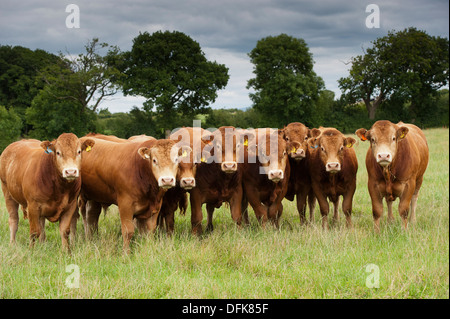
[(19, 67), (409, 65), (170, 70), (10, 126), (286, 87), (86, 78)]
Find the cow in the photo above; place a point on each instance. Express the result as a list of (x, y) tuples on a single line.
[(332, 167), (396, 162), (133, 176), (43, 177), (218, 177), (177, 197), (296, 135), (105, 137), (266, 177)]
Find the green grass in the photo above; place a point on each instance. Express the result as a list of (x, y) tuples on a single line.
[(292, 262)]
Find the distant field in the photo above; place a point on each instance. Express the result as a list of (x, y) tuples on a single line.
[(292, 262)]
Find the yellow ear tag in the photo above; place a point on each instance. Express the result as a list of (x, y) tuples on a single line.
[(293, 150), (349, 145), (403, 135), (246, 142), (184, 153), (88, 148), (203, 160)]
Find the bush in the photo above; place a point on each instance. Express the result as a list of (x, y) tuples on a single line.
[(10, 127)]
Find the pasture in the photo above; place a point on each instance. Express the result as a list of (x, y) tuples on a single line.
[(292, 262)]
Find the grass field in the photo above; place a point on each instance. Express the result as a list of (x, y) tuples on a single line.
[(292, 262)]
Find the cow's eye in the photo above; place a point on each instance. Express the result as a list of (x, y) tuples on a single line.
[(372, 140), (342, 147), (155, 161), (79, 152), (306, 137), (393, 138), (287, 138), (322, 148), (58, 153), (284, 153)]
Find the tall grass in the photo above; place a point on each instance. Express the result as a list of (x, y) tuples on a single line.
[(292, 262)]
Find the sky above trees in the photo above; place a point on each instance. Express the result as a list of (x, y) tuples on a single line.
[(227, 31)]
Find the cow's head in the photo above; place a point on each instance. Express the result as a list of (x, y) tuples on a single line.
[(297, 135), (187, 166), (384, 137), (331, 144), (163, 157), (225, 146), (66, 151), (272, 154)]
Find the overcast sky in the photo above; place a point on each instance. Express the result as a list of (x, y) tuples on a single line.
[(226, 30)]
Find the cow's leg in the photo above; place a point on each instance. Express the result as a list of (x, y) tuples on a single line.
[(35, 225), (414, 198), (236, 206), (73, 225), (210, 212), (259, 209), (13, 210), (312, 205), (301, 206), (272, 213), (405, 202), (336, 210), (244, 209), (42, 235), (389, 209), (196, 212), (93, 211), (64, 225), (126, 220), (347, 208), (323, 204), (377, 205)]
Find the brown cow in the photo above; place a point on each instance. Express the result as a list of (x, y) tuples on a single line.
[(265, 181), (396, 161), (133, 176), (177, 197), (333, 167), (218, 177), (297, 135), (43, 177)]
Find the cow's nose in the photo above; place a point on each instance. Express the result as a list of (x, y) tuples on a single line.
[(166, 181), (229, 167), (299, 154), (70, 173), (333, 167), (187, 182), (276, 175), (384, 157)]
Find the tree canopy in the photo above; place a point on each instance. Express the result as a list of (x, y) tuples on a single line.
[(406, 66), (170, 70), (286, 87)]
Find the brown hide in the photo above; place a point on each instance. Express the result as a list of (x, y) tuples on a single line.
[(396, 162)]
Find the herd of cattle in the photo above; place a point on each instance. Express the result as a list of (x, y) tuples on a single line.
[(148, 179)]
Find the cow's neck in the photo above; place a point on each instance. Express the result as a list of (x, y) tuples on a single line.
[(50, 179)]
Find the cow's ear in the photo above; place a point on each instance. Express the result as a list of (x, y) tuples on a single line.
[(349, 142), (87, 145), (401, 132), (144, 152), (184, 151), (363, 134), (315, 132), (48, 146)]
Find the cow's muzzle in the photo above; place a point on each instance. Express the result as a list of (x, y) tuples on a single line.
[(384, 159), (166, 182), (276, 175), (299, 154), (333, 167), (229, 167), (187, 183), (70, 173)]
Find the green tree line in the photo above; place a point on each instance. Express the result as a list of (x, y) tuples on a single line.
[(401, 76)]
